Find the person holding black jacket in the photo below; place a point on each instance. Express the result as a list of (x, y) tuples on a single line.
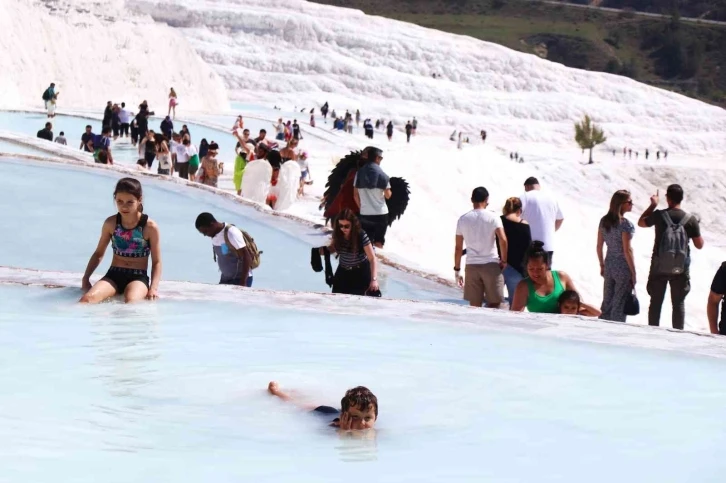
[(357, 269)]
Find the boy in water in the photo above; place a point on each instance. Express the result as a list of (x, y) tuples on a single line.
[(359, 408)]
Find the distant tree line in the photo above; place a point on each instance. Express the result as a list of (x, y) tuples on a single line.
[(706, 9)]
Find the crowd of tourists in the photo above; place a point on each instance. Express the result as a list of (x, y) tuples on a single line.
[(513, 251), (516, 250)]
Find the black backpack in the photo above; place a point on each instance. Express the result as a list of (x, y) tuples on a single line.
[(673, 248), (46, 94)]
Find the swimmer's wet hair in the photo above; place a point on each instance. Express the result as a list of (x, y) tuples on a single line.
[(360, 397), (568, 296)]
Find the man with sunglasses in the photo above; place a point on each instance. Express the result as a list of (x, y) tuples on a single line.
[(372, 187)]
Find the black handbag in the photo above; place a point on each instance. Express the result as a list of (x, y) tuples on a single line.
[(632, 305)]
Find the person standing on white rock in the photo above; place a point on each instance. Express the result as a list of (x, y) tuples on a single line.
[(481, 229), (49, 96), (542, 211)]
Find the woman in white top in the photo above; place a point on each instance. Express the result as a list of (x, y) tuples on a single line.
[(279, 130)]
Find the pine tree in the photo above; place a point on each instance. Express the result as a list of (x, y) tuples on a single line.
[(588, 135)]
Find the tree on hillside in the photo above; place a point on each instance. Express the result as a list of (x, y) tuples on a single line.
[(588, 135)]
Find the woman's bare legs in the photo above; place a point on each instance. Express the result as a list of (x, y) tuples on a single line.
[(135, 291), (100, 291)]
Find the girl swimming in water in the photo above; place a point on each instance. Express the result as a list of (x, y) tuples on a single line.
[(133, 237)]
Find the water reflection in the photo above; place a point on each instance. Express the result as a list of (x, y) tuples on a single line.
[(126, 346), (357, 446)]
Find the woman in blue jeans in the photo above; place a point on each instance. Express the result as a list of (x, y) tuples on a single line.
[(519, 237)]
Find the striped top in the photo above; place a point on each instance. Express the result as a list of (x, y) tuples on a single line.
[(346, 256)]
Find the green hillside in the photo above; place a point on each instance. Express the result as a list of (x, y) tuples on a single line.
[(685, 57)]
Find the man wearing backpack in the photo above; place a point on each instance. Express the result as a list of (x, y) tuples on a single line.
[(48, 95), (234, 250), (674, 228)]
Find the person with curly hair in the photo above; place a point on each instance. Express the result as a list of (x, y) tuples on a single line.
[(357, 268)]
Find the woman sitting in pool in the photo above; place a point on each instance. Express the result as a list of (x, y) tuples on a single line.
[(359, 408), (541, 290), (133, 237)]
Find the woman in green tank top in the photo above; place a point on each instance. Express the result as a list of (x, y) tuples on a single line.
[(542, 288)]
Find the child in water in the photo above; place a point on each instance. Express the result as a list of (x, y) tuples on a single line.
[(359, 408), (569, 304), (134, 238)]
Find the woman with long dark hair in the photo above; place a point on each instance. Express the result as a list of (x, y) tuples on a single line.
[(357, 269), (618, 266), (131, 250)]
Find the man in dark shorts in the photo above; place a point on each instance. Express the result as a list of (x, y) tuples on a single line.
[(372, 187), (715, 299), (359, 408)]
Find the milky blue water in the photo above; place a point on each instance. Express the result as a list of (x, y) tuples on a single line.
[(17, 148), (175, 391), (57, 212)]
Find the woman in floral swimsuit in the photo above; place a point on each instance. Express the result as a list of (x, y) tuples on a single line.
[(134, 237)]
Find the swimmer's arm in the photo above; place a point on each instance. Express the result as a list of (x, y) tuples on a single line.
[(274, 389), (585, 309), (588, 310), (97, 257), (521, 294), (152, 230)]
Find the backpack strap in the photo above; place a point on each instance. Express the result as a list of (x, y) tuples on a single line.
[(227, 242), (667, 218), (685, 219)]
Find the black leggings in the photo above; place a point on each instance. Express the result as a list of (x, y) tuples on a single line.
[(353, 281)]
